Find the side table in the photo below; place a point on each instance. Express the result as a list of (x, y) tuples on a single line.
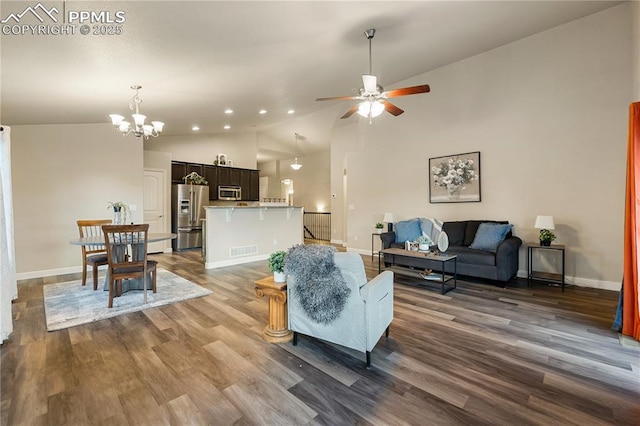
[(550, 277), (276, 331), (373, 234)]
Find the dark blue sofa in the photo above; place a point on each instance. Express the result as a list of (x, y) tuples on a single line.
[(499, 266)]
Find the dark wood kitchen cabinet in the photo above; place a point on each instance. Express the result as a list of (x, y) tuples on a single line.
[(254, 185), (178, 171), (224, 176), (234, 176), (247, 179), (211, 175)]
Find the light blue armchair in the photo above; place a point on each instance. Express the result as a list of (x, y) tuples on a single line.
[(367, 311)]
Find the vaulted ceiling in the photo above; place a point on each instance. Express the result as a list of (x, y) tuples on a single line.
[(196, 59)]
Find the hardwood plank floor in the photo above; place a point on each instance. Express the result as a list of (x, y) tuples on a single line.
[(481, 354)]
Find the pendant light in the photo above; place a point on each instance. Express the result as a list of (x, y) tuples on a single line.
[(296, 165)]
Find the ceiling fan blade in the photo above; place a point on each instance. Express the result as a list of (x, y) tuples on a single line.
[(370, 83), (413, 90), (351, 111), (391, 108), (338, 98)]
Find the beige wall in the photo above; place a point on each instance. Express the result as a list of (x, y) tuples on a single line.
[(62, 173), (311, 183), (242, 148), (548, 114)]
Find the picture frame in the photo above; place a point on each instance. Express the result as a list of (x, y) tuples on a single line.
[(455, 178)]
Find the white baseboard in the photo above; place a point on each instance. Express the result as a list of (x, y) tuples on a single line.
[(337, 242), (53, 272), (584, 282), (237, 261)]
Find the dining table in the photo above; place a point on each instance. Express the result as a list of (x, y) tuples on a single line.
[(130, 284)]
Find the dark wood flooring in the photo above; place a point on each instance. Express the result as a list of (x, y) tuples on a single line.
[(481, 354)]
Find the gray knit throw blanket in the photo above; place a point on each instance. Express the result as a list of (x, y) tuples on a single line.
[(320, 287)]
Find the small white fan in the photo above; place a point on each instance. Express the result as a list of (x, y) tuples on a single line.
[(443, 242)]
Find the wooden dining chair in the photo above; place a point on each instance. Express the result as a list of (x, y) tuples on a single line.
[(127, 256), (94, 255)]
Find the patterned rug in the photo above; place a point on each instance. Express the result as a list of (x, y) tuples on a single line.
[(69, 304)]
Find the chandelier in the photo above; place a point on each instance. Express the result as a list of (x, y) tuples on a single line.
[(296, 165), (139, 129)]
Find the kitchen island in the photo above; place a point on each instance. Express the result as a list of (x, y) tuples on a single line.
[(242, 234)]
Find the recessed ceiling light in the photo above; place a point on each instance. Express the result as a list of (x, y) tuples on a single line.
[(291, 111), (262, 111), (227, 127), (228, 111), (195, 128)]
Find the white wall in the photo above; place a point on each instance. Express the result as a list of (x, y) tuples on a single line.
[(312, 183), (154, 160), (548, 114), (240, 147), (62, 173)]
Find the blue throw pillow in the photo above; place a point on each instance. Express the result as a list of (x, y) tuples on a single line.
[(489, 235), (407, 230)]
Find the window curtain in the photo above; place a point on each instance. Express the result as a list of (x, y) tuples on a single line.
[(8, 285), (629, 295)]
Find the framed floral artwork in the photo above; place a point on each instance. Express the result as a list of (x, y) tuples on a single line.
[(455, 178)]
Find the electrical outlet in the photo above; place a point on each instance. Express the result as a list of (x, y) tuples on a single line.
[(275, 241), (133, 207), (355, 238)]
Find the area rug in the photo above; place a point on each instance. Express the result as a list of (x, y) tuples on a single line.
[(69, 304)]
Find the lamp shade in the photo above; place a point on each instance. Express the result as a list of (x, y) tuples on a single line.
[(545, 222), (388, 217)]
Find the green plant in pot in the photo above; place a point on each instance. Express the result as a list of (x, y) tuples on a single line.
[(546, 237), (379, 227), (423, 242), (276, 265)]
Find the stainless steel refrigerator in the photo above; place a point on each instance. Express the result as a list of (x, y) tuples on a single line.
[(187, 212)]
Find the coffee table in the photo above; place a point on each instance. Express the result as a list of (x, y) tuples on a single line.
[(437, 277)]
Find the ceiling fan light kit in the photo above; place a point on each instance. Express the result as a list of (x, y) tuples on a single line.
[(372, 97), (139, 129)]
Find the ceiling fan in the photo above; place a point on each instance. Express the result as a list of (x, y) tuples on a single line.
[(372, 96)]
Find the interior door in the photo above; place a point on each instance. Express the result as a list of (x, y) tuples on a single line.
[(154, 206)]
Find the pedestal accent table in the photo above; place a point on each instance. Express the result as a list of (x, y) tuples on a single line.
[(276, 331)]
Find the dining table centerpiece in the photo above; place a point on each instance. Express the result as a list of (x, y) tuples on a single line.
[(120, 212)]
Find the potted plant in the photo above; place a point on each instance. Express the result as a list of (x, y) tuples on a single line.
[(194, 178), (120, 212), (423, 242), (276, 265), (379, 226), (546, 237)]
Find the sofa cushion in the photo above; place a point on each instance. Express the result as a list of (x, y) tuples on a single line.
[(475, 257), (407, 230), (455, 232), (489, 235)]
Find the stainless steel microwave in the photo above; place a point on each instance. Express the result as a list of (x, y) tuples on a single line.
[(231, 193)]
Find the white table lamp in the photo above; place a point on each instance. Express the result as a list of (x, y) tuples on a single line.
[(388, 217)]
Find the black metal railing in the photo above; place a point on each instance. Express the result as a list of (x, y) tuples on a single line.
[(317, 226)]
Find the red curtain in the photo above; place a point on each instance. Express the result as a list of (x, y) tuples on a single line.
[(630, 310)]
